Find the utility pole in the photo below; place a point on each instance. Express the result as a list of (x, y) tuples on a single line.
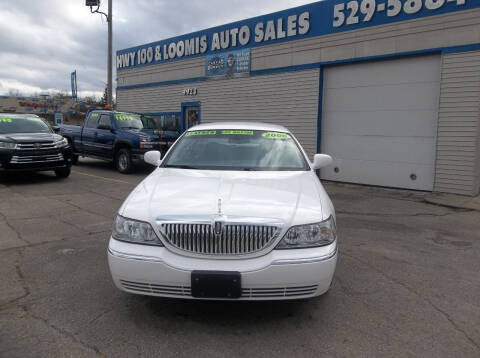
[(91, 4), (109, 78)]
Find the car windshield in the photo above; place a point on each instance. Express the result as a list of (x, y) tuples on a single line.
[(128, 121), (164, 122), (236, 150), (20, 124)]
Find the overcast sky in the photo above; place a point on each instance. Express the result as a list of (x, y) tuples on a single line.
[(43, 41)]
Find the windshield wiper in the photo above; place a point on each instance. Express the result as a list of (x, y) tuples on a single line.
[(251, 169)]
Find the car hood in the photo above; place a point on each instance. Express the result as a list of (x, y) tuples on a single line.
[(30, 137), (291, 197)]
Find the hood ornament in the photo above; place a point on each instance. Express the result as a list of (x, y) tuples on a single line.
[(218, 223)]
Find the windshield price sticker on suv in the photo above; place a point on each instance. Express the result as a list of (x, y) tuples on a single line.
[(275, 135), (5, 120), (188, 134), (237, 132), (353, 12)]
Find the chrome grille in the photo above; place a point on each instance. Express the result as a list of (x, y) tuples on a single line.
[(234, 239), (35, 146), (36, 158), (145, 288), (272, 292)]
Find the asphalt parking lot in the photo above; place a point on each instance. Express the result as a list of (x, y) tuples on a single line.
[(407, 282)]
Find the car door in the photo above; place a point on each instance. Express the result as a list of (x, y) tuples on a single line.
[(105, 137), (89, 132)]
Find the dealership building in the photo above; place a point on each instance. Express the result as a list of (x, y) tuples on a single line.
[(389, 88)]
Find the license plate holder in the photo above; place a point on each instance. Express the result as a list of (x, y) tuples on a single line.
[(216, 284)]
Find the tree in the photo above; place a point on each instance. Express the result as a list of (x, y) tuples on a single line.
[(104, 100)]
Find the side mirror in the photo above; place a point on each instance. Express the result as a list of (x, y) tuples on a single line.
[(56, 129), (153, 157), (321, 160)]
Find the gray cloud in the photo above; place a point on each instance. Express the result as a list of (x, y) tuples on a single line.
[(41, 42)]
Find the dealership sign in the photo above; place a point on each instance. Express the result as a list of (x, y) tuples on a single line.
[(317, 19), (228, 64)]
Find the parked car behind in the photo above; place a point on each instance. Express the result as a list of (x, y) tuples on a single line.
[(235, 211), (113, 136), (27, 143)]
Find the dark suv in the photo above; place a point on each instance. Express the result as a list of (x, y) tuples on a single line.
[(27, 143)]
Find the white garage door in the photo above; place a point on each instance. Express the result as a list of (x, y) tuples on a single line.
[(380, 120)]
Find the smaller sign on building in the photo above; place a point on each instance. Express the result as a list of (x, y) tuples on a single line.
[(228, 64), (190, 91)]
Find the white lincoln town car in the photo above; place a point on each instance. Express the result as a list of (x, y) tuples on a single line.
[(235, 211)]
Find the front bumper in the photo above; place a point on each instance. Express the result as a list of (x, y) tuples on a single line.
[(279, 275), (35, 160)]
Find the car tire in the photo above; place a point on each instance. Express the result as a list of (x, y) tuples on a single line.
[(74, 159), (123, 161), (62, 173)]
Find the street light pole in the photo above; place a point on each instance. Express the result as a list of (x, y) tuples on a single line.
[(91, 4), (109, 77)]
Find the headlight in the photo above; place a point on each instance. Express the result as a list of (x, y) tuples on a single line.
[(61, 143), (134, 231), (8, 145), (311, 235), (144, 139)]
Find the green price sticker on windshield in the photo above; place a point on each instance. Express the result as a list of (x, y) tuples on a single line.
[(275, 135), (5, 120), (188, 134), (94, 115), (33, 119), (124, 117), (237, 132)]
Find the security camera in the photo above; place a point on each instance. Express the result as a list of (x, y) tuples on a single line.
[(92, 2)]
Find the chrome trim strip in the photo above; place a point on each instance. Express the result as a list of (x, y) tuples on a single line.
[(135, 257), (36, 159), (208, 219), (310, 260), (36, 146)]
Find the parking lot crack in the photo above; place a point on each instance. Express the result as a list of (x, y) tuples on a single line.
[(80, 208), (427, 300), (100, 315), (11, 227), (63, 332), (21, 279)]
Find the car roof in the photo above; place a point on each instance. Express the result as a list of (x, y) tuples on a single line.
[(18, 115), (241, 125)]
